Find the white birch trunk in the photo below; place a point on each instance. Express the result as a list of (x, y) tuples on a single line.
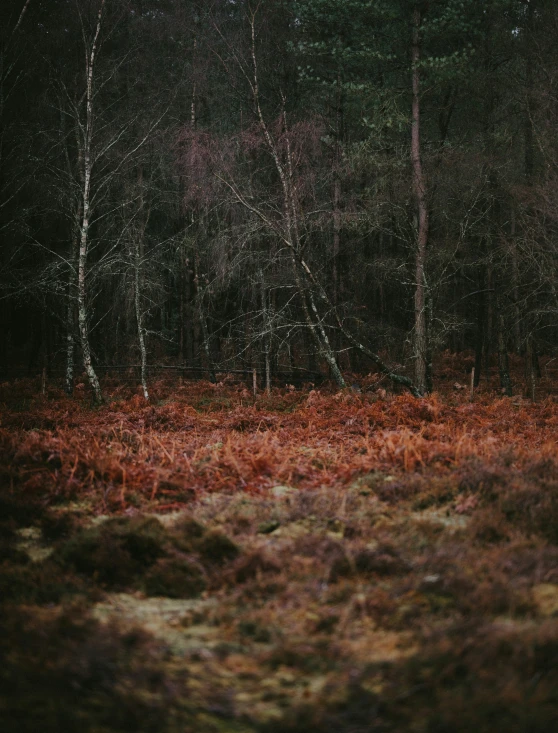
[(139, 241), (291, 224), (86, 210), (139, 318)]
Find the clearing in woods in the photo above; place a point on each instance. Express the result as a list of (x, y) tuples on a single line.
[(307, 561)]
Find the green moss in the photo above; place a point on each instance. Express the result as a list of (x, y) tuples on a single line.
[(56, 526), (383, 561), (19, 508), (38, 583), (7, 531), (269, 527), (255, 631), (217, 548), (116, 552), (174, 578), (186, 532), (253, 566), (10, 553), (66, 672)]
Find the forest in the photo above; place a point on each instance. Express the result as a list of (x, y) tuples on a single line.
[(278, 366), (292, 187)]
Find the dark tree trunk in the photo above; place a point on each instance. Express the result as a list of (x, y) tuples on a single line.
[(421, 349), (480, 333), (503, 361)]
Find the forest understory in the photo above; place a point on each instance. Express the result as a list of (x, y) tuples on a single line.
[(308, 560)]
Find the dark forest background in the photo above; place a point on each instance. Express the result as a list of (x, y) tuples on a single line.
[(285, 185)]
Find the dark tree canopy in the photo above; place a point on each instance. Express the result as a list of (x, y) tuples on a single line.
[(324, 185)]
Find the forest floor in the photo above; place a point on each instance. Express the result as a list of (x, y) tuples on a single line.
[(308, 561)]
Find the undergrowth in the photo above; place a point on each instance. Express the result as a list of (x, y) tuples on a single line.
[(302, 561)]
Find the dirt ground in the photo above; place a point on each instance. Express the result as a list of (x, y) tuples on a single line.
[(304, 561)]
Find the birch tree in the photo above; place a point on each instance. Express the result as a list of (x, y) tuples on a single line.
[(110, 127), (87, 129)]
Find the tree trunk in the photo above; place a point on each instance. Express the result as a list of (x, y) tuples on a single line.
[(70, 325), (336, 236), (531, 368), (139, 319), (503, 361), (479, 338), (70, 346), (518, 341), (139, 245), (308, 286), (316, 328), (71, 306), (82, 311), (266, 330), (337, 190), (420, 195), (182, 273), (203, 323), (86, 209), (290, 224), (182, 323)]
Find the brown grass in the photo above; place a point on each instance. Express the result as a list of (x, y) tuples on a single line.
[(307, 561)]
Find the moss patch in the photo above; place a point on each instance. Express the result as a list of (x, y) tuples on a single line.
[(116, 552), (175, 578), (217, 548)]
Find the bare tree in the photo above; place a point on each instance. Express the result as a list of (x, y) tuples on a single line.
[(87, 130), (279, 140), (97, 151)]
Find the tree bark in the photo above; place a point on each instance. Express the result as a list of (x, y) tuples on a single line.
[(503, 361), (266, 330), (531, 363), (203, 323), (70, 345), (337, 190), (316, 328), (479, 336), (291, 229), (86, 210), (139, 245), (420, 196), (71, 305), (518, 340)]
